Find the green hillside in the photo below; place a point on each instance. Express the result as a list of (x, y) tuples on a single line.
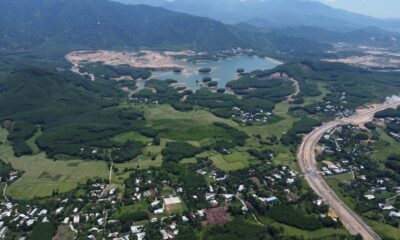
[(63, 25)]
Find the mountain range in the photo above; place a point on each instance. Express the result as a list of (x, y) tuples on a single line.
[(103, 24), (275, 13)]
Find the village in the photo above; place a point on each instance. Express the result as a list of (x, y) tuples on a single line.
[(151, 205), (249, 118), (347, 152)]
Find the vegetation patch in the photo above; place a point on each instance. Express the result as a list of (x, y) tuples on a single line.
[(294, 217)]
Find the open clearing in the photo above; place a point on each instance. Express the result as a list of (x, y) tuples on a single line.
[(42, 175), (328, 233)]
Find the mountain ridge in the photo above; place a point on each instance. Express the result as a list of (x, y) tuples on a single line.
[(103, 24), (280, 13)]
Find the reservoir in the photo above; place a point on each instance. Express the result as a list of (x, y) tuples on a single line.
[(222, 71)]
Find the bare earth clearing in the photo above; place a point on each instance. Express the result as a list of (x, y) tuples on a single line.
[(142, 59), (368, 57)]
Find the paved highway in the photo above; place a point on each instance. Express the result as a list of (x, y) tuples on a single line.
[(306, 157)]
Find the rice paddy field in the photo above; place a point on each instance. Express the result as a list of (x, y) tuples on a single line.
[(42, 175)]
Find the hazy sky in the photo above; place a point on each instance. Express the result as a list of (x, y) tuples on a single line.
[(377, 8)]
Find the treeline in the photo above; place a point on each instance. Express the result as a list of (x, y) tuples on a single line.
[(304, 125), (109, 71), (232, 138), (19, 133), (5, 168), (388, 113), (228, 139), (295, 217), (176, 151), (393, 162)]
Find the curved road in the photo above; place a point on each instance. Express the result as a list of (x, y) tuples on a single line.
[(306, 157)]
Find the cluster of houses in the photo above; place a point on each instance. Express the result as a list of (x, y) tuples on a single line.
[(11, 214), (245, 117), (93, 216), (333, 142), (380, 188), (9, 177), (387, 120), (334, 110), (143, 100)]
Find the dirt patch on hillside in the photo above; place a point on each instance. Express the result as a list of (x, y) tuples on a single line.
[(142, 59)]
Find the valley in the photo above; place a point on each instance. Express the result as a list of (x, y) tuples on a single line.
[(199, 120)]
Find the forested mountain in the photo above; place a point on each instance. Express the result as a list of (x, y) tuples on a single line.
[(78, 24), (369, 36), (275, 13), (105, 24)]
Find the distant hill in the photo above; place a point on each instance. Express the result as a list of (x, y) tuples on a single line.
[(369, 36), (50, 25), (275, 13), (105, 24)]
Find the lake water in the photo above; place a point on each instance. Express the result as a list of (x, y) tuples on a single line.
[(223, 71)]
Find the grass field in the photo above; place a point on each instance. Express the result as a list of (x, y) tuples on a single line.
[(231, 162), (184, 126), (385, 147), (42, 175), (292, 231), (32, 141), (384, 230), (123, 137), (334, 184)]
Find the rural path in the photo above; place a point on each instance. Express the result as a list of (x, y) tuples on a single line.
[(306, 157), (111, 170), (244, 205), (286, 77), (296, 89), (5, 193)]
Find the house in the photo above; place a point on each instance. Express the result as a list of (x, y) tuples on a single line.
[(269, 200), (30, 222), (140, 236), (159, 211), (318, 202), (385, 206), (43, 212), (164, 234), (200, 213), (220, 179), (214, 203), (136, 229), (289, 180), (228, 197), (172, 200), (66, 220), (394, 214), (155, 203), (210, 196), (369, 197), (76, 219)]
